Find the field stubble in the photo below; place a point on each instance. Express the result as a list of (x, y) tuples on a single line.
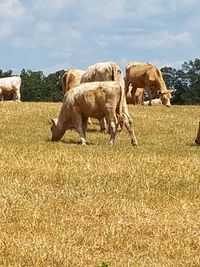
[(62, 204)]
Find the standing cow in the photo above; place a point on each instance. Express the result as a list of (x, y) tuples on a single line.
[(103, 71), (10, 85), (197, 141), (148, 76), (71, 78), (96, 100)]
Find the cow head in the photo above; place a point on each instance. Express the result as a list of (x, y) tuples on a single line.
[(165, 97), (56, 133)]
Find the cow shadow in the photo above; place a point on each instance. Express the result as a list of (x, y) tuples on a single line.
[(93, 130), (74, 142), (68, 142)]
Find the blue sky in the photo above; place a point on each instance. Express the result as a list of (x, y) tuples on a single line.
[(52, 35)]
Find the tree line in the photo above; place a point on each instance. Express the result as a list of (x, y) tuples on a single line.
[(38, 87)]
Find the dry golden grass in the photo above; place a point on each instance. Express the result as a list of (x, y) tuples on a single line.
[(62, 204)]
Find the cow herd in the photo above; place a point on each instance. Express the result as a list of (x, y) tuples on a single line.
[(102, 92)]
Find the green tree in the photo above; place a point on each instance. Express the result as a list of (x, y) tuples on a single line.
[(32, 85), (53, 86), (191, 79)]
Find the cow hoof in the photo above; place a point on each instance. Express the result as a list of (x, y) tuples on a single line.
[(134, 142), (83, 144), (111, 143), (103, 130), (197, 143)]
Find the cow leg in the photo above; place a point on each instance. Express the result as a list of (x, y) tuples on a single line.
[(112, 128), (102, 124), (128, 125), (112, 132), (80, 127), (84, 126), (149, 95), (16, 95), (197, 141), (1, 96)]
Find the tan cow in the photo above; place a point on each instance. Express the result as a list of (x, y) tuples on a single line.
[(10, 85), (197, 141), (71, 78), (96, 100), (148, 76), (103, 71)]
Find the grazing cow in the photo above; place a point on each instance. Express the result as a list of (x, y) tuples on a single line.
[(159, 98), (197, 141), (10, 85), (70, 79), (96, 100), (103, 71), (148, 76)]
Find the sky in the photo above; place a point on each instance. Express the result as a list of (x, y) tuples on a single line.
[(50, 35)]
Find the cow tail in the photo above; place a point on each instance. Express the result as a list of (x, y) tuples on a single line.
[(63, 81), (120, 115), (114, 70)]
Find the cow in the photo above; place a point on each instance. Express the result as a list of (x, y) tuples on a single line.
[(96, 100), (71, 78), (158, 98), (103, 71), (148, 76), (10, 85), (154, 102), (197, 140)]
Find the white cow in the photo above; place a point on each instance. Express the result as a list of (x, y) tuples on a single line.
[(154, 102), (10, 85)]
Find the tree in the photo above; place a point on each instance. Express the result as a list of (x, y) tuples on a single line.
[(32, 85)]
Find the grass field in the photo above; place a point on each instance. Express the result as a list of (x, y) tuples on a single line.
[(63, 204)]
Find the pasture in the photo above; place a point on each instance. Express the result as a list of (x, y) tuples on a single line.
[(62, 204)]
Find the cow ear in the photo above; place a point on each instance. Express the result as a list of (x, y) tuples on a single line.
[(151, 78), (172, 91)]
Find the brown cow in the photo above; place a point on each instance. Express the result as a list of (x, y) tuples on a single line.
[(70, 79), (197, 141), (96, 100), (148, 76)]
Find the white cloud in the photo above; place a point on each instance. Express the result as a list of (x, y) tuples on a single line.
[(11, 9), (166, 39), (11, 14), (42, 5), (69, 32), (182, 4)]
